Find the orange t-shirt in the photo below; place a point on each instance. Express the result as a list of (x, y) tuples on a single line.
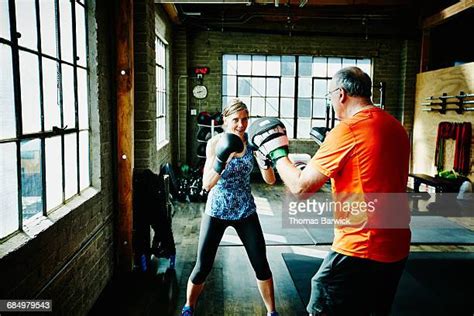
[(368, 155)]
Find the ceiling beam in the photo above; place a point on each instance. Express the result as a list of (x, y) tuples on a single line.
[(172, 12), (445, 14)]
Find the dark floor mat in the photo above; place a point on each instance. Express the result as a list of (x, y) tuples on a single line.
[(432, 284), (425, 230)]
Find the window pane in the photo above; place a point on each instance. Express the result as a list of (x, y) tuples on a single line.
[(30, 93), (4, 27), (83, 98), (229, 85), (319, 108), (304, 108), (287, 87), (246, 100), (304, 87), (273, 66), (258, 107), (84, 160), (244, 86), (305, 65), (229, 66), (288, 66), (48, 27), (158, 131), (348, 62), (304, 128), (258, 87), (8, 189), (318, 123), (52, 112), (161, 129), (271, 107), (258, 65), (54, 173), (163, 134), (287, 107), (81, 35), (289, 124), (70, 157), (319, 67), (364, 64), (225, 101), (244, 64), (320, 88), (69, 114), (273, 88), (31, 184), (66, 29), (7, 100), (26, 24), (334, 64)]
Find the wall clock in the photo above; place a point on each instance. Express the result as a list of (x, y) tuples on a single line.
[(200, 92)]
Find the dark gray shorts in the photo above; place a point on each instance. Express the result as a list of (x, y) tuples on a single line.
[(353, 286)]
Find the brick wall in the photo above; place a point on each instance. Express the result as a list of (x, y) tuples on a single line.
[(68, 257), (206, 48), (149, 21)]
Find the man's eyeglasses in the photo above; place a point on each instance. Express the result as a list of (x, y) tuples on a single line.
[(327, 95)]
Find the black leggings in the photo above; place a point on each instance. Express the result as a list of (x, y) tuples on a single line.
[(249, 231)]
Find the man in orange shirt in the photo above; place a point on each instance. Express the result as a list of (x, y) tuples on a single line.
[(366, 157)]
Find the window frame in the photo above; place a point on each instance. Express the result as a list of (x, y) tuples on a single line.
[(296, 76), (161, 94), (80, 127)]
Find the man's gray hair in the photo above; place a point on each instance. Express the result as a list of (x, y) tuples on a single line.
[(354, 81)]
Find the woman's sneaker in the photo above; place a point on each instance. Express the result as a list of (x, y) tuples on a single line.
[(187, 311), (273, 314)]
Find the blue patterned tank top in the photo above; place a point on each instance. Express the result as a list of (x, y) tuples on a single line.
[(230, 198)]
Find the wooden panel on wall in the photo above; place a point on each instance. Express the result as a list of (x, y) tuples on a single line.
[(434, 83)]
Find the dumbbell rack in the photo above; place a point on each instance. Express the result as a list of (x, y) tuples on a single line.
[(214, 130)]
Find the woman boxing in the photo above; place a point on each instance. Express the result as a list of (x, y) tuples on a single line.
[(230, 203)]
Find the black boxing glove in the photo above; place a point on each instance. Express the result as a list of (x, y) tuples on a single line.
[(227, 145)]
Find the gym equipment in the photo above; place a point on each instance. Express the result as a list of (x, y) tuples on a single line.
[(205, 133), (268, 135), (152, 208), (262, 161), (319, 134), (201, 150), (185, 170), (218, 118), (204, 118), (227, 145), (441, 103)]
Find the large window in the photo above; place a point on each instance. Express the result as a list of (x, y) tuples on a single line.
[(44, 113), (292, 88), (161, 95)]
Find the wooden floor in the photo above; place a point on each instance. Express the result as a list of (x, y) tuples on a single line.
[(231, 288)]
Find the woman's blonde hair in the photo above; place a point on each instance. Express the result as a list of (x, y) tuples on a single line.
[(234, 106)]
